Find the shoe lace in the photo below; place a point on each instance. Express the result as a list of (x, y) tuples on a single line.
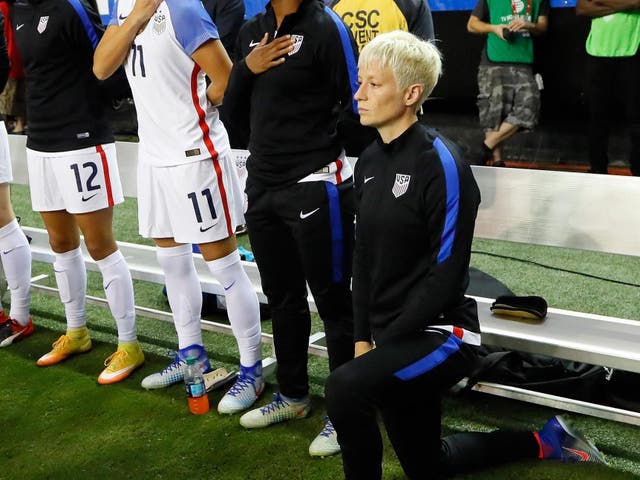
[(12, 324), (118, 355), (177, 362), (328, 429), (62, 342), (241, 383), (276, 404)]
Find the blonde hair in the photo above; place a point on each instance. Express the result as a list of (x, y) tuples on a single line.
[(410, 59)]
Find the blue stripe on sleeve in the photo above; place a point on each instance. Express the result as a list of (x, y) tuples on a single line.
[(112, 18), (352, 64), (453, 199), (86, 22), (337, 243), (431, 361), (192, 24)]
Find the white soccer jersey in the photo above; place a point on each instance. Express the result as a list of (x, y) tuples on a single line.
[(176, 123)]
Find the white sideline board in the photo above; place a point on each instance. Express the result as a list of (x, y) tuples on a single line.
[(561, 209)]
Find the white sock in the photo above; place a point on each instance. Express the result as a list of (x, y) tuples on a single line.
[(71, 277), (118, 288), (16, 262), (242, 306), (183, 291)]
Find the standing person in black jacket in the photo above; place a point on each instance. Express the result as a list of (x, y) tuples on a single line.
[(228, 16), (73, 172), (296, 77), (415, 331), (14, 247)]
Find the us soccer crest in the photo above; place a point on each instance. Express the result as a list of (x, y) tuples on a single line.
[(42, 24), (297, 43), (159, 23), (401, 184)]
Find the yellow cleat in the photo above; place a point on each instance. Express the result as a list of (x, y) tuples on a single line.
[(121, 363), (72, 343)]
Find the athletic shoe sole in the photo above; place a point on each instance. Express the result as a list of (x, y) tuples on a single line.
[(52, 358)]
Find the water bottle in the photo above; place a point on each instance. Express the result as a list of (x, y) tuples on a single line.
[(194, 386)]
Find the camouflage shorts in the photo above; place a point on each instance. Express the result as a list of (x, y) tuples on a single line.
[(507, 93)]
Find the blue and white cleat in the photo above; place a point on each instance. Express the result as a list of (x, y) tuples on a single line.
[(245, 391), (174, 372)]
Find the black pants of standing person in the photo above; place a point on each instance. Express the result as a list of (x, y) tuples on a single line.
[(403, 381), (613, 81), (304, 234)]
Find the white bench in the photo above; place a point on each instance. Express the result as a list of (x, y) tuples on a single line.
[(560, 209)]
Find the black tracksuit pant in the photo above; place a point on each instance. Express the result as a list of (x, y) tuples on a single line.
[(613, 81), (304, 234), (403, 381)]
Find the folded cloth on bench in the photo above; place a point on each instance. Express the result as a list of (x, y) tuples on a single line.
[(522, 307)]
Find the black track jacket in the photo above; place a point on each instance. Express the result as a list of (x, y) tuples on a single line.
[(416, 204), (56, 39), (292, 110)]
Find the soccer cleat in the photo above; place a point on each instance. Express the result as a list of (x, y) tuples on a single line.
[(11, 331), (326, 443), (174, 372), (560, 441), (72, 343), (279, 410), (121, 363), (244, 392)]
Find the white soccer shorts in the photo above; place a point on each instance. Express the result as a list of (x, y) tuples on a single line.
[(196, 202), (78, 181)]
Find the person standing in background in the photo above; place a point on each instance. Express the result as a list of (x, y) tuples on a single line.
[(15, 253), (613, 74), (73, 171), (368, 18), (508, 93), (228, 17)]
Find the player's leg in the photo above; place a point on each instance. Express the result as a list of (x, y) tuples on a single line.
[(283, 282), (157, 217), (207, 207), (93, 188), (16, 257)]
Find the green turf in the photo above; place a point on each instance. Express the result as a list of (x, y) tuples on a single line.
[(60, 424)]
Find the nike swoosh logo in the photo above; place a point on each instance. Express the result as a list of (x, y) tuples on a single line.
[(111, 375), (88, 198), (227, 288), (205, 229), (304, 215), (253, 44), (6, 252), (584, 456), (122, 17), (366, 179), (18, 27)]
